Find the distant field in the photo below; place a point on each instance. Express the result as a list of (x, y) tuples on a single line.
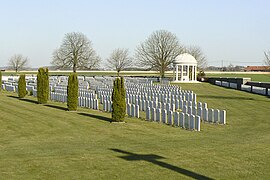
[(47, 142), (254, 77)]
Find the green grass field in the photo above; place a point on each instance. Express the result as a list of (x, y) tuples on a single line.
[(47, 142)]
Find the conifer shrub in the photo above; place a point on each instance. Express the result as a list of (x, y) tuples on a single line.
[(118, 98), (72, 91), (22, 86), (43, 85), (123, 97)]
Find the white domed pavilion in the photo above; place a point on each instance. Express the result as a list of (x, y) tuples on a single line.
[(185, 68)]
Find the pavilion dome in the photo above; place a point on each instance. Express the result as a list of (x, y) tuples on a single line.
[(185, 59)]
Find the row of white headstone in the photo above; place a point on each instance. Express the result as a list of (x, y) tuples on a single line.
[(226, 84), (177, 119), (253, 89)]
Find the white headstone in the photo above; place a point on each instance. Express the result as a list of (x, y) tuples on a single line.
[(176, 119), (182, 120), (192, 122), (222, 117), (216, 115), (197, 123), (164, 115), (187, 121)]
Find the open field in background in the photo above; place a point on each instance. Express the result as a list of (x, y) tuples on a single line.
[(46, 142), (255, 76)]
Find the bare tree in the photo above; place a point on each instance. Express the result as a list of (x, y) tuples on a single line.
[(119, 60), (158, 51), (76, 51), (198, 54), (267, 58), (18, 62)]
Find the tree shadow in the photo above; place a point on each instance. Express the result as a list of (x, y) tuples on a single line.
[(225, 97), (152, 158), (96, 116), (15, 97), (56, 107), (25, 100), (29, 100)]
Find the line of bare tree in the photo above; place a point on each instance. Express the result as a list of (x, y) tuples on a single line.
[(157, 53), (18, 62)]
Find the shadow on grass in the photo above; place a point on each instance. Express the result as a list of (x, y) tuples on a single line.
[(15, 97), (154, 159), (225, 97), (96, 116), (26, 100), (56, 107)]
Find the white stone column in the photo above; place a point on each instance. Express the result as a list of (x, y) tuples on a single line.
[(182, 72), (176, 74), (193, 73), (188, 72)]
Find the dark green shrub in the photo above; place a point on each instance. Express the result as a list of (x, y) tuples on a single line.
[(201, 76), (22, 86), (123, 97), (118, 98), (72, 91), (43, 85), (30, 93)]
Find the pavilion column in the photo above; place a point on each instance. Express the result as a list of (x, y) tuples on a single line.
[(176, 74), (193, 72), (182, 68), (188, 73)]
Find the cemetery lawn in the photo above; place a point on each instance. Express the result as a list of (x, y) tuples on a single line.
[(46, 142)]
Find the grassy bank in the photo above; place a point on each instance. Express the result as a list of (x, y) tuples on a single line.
[(46, 142)]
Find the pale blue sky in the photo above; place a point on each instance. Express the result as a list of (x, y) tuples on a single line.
[(236, 31)]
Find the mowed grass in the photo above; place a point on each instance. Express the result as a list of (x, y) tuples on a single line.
[(47, 142), (254, 77)]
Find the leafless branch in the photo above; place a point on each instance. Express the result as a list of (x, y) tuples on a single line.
[(76, 51), (18, 62), (158, 51), (198, 54), (119, 60)]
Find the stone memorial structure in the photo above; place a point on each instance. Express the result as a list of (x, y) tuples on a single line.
[(185, 68)]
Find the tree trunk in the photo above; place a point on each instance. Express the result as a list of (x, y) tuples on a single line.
[(74, 68), (162, 71)]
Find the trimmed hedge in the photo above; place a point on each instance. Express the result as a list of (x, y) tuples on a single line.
[(22, 86), (72, 91), (118, 98), (43, 85)]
